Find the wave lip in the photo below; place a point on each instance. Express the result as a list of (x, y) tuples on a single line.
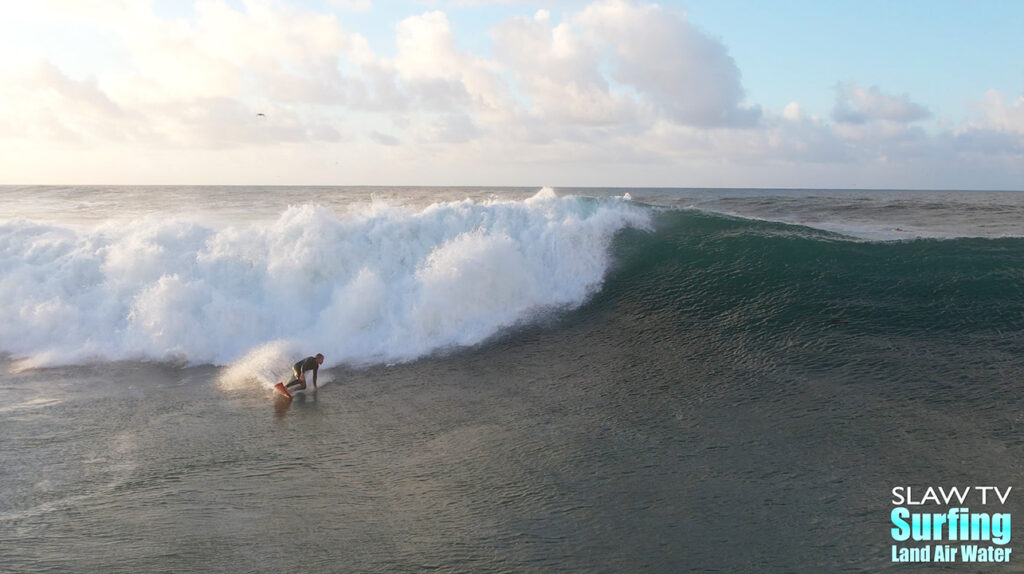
[(377, 283)]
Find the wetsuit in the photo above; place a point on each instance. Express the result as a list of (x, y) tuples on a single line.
[(307, 364)]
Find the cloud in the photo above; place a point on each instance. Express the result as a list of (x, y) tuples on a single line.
[(84, 94), (619, 62), (558, 71), (1000, 115), (353, 5), (384, 139), (437, 74), (477, 3), (40, 102), (998, 132), (673, 65), (226, 52), (856, 105), (455, 128), (599, 74), (988, 142), (587, 90), (199, 82)]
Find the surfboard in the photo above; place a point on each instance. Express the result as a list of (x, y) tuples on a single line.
[(308, 390), (280, 389), (284, 391)]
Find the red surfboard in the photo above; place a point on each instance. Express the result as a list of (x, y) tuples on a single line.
[(280, 389)]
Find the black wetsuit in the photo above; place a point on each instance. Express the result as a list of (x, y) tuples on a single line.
[(307, 364)]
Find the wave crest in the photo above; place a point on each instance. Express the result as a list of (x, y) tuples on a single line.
[(377, 283)]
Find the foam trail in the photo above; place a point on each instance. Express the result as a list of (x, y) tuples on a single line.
[(378, 283)]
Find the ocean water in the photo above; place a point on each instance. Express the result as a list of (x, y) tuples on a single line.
[(516, 380)]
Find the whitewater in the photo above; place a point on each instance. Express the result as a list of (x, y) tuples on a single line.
[(363, 283)]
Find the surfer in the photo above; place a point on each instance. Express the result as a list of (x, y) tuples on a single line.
[(299, 371)]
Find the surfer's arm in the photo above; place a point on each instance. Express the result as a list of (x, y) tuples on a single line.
[(315, 371)]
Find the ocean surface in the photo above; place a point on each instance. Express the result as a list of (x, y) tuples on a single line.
[(516, 380)]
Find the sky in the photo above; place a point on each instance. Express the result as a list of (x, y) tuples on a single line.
[(895, 94)]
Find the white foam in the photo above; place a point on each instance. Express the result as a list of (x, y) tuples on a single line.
[(376, 283)]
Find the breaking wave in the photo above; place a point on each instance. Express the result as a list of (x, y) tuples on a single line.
[(379, 283)]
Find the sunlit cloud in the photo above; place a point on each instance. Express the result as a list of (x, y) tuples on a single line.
[(608, 83), (857, 105)]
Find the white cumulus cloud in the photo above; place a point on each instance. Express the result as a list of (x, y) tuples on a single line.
[(582, 90), (857, 105)]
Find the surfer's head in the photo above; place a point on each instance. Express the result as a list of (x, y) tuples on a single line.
[(319, 358)]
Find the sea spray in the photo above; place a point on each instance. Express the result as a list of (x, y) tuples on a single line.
[(376, 283)]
